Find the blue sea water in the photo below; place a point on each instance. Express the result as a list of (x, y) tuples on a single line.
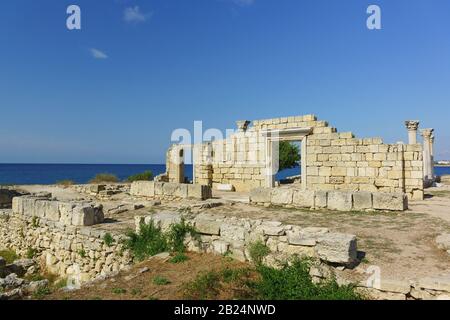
[(82, 173)]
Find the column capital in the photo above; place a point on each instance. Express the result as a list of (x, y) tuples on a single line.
[(412, 125), (427, 133)]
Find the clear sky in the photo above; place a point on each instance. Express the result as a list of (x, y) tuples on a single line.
[(114, 91)]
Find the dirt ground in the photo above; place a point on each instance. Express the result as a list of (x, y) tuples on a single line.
[(134, 285), (400, 243)]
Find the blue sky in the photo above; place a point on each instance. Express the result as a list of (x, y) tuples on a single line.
[(114, 91)]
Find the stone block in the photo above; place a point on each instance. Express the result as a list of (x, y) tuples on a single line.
[(390, 201), (443, 241), (320, 199), (272, 228), (339, 200), (207, 226), (143, 188), (438, 283), (260, 195), (281, 196), (362, 200), (164, 219), (303, 198), (181, 191), (159, 188), (83, 216), (337, 248), (220, 247), (169, 188), (198, 191)]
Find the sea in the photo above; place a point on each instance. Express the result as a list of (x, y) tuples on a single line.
[(22, 174)]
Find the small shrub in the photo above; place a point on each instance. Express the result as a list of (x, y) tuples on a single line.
[(82, 253), (41, 292), (293, 282), (177, 235), (258, 251), (9, 255), (136, 291), (65, 183), (119, 291), (144, 176), (149, 241), (35, 222), (108, 239), (161, 281), (61, 283), (31, 253), (206, 286), (104, 177), (178, 258)]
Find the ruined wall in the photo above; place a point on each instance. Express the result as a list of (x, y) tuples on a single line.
[(78, 253), (334, 161), (170, 190), (222, 235)]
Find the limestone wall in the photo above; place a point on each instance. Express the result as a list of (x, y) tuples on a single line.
[(331, 200), (333, 161), (233, 236), (64, 213), (68, 251), (170, 190)]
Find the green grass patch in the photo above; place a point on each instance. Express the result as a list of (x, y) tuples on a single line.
[(160, 281), (258, 251), (9, 255), (179, 258), (119, 291)]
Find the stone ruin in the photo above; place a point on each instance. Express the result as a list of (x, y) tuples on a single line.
[(331, 161)]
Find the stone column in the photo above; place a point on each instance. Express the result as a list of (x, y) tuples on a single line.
[(412, 126), (432, 154), (427, 157)]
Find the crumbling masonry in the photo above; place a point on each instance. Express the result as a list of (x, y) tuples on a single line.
[(330, 160)]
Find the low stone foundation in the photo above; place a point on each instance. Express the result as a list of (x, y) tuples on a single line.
[(229, 235), (78, 253), (62, 213), (331, 200), (170, 190)]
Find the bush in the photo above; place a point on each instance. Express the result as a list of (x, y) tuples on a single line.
[(293, 282), (177, 235), (108, 239), (207, 285), (178, 258), (144, 176), (149, 241), (65, 182), (9, 255), (31, 253), (258, 251), (104, 177)]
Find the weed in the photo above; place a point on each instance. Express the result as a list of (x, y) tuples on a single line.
[(31, 253), (119, 291), (35, 222), (177, 235), (9, 255), (258, 251), (82, 253), (149, 241), (161, 281), (41, 292), (108, 239), (179, 258)]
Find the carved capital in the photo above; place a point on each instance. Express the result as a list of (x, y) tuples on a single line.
[(427, 133), (412, 125)]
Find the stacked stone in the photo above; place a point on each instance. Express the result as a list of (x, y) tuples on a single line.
[(293, 197), (338, 161), (62, 249), (170, 190), (77, 213), (222, 235)]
